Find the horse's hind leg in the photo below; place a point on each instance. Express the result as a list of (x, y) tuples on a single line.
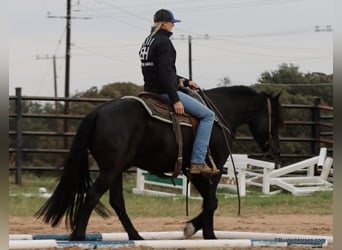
[(100, 186), (118, 203)]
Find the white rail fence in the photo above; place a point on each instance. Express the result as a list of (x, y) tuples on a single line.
[(252, 172)]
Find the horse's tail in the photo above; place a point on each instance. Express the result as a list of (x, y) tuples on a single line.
[(74, 182)]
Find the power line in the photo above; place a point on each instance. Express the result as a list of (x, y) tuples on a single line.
[(47, 57), (298, 84), (104, 55), (98, 15), (53, 58), (212, 6), (116, 7), (68, 18), (326, 28)]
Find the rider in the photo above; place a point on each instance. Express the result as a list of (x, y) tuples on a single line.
[(158, 58)]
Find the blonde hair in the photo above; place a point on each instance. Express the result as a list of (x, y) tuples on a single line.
[(156, 27)]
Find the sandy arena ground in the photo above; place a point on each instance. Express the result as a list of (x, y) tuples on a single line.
[(292, 224)]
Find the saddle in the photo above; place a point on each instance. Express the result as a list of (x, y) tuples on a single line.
[(161, 110)]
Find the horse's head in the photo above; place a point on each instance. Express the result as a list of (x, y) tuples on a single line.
[(266, 122)]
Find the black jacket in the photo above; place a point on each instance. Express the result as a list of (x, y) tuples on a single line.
[(158, 65)]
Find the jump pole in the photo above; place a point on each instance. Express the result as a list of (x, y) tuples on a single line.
[(173, 235), (242, 243)]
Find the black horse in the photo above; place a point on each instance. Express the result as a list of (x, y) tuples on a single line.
[(120, 134)]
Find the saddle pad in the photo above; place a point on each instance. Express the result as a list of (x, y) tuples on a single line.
[(159, 110)]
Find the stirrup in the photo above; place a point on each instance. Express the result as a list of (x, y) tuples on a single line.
[(202, 169)]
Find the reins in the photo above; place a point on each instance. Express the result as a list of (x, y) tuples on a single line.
[(225, 128), (269, 139), (269, 111)]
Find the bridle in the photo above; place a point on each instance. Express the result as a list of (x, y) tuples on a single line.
[(270, 142), (225, 127)]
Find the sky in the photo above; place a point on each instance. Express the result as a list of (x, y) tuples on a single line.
[(239, 39)]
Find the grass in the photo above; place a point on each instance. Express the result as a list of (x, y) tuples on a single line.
[(255, 203)]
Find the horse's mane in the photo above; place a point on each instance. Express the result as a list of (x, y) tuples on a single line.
[(241, 90), (235, 91)]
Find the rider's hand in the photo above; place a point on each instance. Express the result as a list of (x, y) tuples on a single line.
[(179, 108), (193, 85)]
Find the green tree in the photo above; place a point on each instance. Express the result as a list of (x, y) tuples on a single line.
[(297, 88), (225, 81), (286, 74), (34, 124), (110, 91), (120, 89), (311, 85)]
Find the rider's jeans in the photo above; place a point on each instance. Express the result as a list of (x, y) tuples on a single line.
[(206, 117)]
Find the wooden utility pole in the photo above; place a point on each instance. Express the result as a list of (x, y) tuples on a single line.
[(58, 127), (68, 18), (67, 65), (190, 38), (67, 71), (67, 50), (190, 57), (53, 57), (55, 83)]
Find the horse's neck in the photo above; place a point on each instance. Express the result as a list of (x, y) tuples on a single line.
[(237, 120), (236, 108), (236, 116)]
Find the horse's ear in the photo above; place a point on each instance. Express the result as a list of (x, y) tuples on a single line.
[(278, 95)]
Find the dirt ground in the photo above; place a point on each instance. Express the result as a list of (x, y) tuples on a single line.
[(292, 224)]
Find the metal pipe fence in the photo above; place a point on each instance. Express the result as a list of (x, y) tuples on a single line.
[(319, 124)]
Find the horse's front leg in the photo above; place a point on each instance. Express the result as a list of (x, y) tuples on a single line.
[(118, 204), (205, 220)]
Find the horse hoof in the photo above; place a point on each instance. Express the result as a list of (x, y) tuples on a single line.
[(73, 237), (209, 237), (136, 238), (189, 230)]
